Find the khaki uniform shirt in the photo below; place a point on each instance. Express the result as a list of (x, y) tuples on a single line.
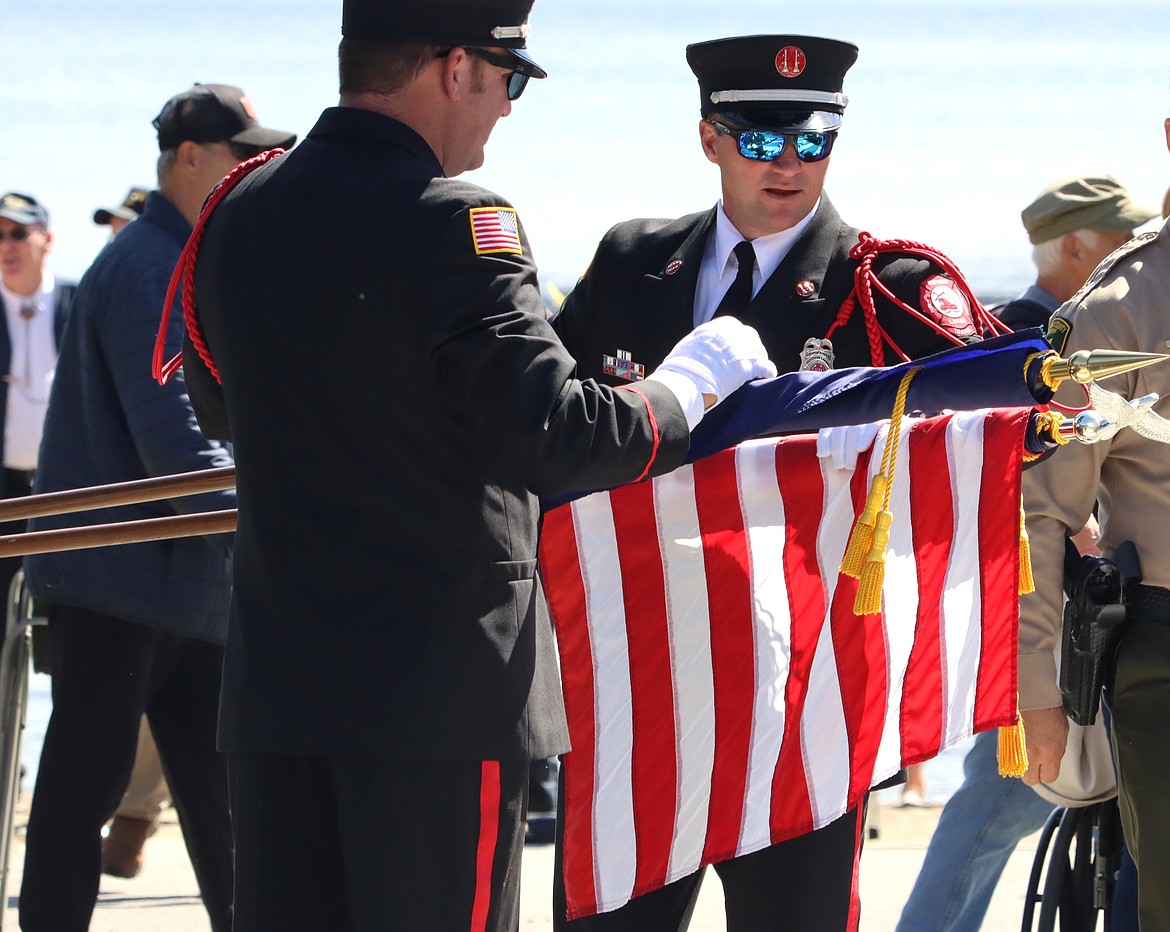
[(1124, 305)]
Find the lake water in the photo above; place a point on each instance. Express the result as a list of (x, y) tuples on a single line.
[(960, 113)]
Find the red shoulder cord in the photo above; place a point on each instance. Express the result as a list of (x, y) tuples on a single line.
[(867, 249), (184, 274)]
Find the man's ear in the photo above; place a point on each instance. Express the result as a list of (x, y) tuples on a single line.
[(707, 135), (457, 73), (188, 154), (1168, 134)]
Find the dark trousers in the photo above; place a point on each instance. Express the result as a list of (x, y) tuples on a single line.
[(1139, 705), (17, 484), (106, 673), (806, 884), (357, 845)]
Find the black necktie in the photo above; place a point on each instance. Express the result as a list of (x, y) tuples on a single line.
[(739, 295)]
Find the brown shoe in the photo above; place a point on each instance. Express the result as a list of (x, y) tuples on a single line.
[(122, 846)]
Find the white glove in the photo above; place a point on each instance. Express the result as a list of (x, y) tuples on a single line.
[(844, 444), (715, 358)]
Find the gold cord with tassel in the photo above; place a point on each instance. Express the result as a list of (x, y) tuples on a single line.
[(873, 572), (1027, 583), (1013, 749)]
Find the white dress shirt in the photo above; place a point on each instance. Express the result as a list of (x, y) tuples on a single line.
[(720, 264), (30, 374)]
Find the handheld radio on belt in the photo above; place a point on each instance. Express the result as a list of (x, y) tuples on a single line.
[(1098, 591)]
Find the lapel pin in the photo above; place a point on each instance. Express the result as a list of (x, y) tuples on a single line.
[(672, 266), (805, 288)]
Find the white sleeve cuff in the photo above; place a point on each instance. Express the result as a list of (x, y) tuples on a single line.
[(685, 390)]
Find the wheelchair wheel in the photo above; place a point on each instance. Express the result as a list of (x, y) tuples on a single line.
[(1073, 872)]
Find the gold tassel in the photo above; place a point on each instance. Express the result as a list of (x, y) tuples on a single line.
[(861, 538), (1027, 582), (868, 600), (1013, 748)]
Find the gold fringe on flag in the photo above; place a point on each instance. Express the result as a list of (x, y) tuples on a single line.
[(873, 572), (1013, 750)]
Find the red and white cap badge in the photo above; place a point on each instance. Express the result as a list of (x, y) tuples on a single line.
[(791, 61)]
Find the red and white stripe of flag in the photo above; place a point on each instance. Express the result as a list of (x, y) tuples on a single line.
[(722, 696)]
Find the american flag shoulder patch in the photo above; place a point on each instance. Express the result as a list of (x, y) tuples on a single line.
[(495, 229)]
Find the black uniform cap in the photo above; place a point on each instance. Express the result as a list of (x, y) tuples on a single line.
[(468, 23), (776, 83)]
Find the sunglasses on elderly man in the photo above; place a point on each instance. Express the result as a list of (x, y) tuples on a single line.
[(16, 234), (763, 146)]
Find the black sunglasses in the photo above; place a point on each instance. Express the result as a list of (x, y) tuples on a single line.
[(16, 234), (763, 146), (516, 81)]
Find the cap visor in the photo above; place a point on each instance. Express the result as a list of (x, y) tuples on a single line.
[(17, 216), (783, 121), (265, 138)]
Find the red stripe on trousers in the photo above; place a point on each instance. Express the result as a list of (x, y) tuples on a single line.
[(654, 766), (802, 492), (999, 548), (854, 921), (733, 651), (560, 568), (489, 833)]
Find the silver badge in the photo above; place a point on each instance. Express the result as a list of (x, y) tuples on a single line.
[(817, 355)]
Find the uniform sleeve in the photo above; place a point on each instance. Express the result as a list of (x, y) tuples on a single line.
[(1059, 494), (946, 312), (500, 362), (206, 395)]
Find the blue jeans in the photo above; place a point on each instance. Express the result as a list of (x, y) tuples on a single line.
[(979, 828)]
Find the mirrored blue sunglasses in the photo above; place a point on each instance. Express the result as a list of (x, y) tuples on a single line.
[(762, 146)]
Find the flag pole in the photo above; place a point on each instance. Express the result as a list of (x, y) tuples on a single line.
[(118, 493), (126, 532)]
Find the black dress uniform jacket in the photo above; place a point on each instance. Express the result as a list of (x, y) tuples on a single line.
[(630, 299), (397, 401)]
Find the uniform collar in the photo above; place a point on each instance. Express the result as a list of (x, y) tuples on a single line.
[(770, 250), (366, 125)]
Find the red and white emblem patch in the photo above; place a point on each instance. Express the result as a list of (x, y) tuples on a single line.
[(945, 304), (672, 266), (790, 61)]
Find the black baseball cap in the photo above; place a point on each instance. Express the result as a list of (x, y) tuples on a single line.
[(777, 83), (23, 209), (215, 113), (469, 23), (131, 207)]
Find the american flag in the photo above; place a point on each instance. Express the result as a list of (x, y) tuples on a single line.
[(722, 696), (495, 229)]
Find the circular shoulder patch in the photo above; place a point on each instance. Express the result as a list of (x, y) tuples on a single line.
[(944, 303)]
